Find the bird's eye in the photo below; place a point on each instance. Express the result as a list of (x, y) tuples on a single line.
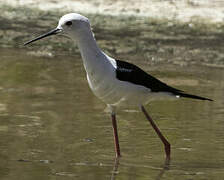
[(68, 23)]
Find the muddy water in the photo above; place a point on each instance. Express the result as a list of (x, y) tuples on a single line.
[(52, 127)]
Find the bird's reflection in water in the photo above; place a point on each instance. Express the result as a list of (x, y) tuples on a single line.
[(115, 169), (165, 168)]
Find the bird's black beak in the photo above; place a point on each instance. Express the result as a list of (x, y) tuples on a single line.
[(52, 32)]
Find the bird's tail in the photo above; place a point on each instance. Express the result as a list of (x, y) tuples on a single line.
[(192, 96)]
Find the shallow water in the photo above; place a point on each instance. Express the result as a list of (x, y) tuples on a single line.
[(52, 126)]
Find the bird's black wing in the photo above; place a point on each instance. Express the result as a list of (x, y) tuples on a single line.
[(129, 72)]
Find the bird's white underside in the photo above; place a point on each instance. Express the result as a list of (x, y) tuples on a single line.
[(121, 93)]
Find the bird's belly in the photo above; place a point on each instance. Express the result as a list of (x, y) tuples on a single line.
[(118, 93)]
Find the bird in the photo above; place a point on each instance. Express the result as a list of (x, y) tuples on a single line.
[(117, 83)]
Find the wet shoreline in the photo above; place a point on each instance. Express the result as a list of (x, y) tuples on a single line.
[(155, 41)]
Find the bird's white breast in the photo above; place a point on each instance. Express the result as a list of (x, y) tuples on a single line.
[(112, 91)]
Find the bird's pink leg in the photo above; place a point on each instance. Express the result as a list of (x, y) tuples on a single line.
[(163, 139), (116, 140)]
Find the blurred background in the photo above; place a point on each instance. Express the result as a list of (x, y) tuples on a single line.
[(147, 27), (53, 127)]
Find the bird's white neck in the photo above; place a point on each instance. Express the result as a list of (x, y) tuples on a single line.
[(91, 54)]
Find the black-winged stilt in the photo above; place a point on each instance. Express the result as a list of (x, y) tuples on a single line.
[(115, 82)]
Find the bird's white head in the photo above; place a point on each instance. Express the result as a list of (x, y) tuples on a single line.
[(72, 25)]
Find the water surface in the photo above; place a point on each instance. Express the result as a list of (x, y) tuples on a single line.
[(53, 127)]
